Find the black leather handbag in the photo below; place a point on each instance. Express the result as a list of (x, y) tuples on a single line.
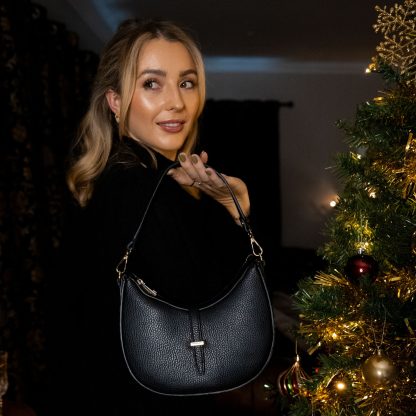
[(219, 347)]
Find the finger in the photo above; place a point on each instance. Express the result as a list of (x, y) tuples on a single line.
[(200, 169), (181, 176), (187, 165), (210, 172), (204, 157), (186, 162)]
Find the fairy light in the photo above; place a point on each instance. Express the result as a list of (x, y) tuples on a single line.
[(329, 201), (363, 246), (356, 156), (341, 386), (371, 68)]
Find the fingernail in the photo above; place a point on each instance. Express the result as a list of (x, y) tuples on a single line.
[(208, 172), (194, 159), (182, 157)]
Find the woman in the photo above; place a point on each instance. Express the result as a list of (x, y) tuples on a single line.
[(148, 94)]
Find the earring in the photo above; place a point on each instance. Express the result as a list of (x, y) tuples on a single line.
[(117, 117)]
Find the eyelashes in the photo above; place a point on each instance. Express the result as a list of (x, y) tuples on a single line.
[(153, 84), (150, 84), (188, 84)]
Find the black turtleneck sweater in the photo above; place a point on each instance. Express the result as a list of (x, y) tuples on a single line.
[(188, 250)]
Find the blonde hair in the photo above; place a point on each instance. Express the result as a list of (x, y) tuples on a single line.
[(116, 71)]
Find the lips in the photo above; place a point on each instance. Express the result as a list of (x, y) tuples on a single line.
[(171, 126)]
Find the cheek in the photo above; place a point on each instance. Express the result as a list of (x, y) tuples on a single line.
[(144, 107), (149, 104), (193, 106)]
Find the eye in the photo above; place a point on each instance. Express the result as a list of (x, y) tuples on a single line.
[(188, 84), (150, 84)]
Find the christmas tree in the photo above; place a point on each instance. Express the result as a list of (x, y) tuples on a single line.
[(358, 316)]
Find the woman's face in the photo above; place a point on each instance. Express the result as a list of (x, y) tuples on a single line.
[(166, 97)]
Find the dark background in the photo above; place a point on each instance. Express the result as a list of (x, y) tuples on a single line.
[(46, 77)]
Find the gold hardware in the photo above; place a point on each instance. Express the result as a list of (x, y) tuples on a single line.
[(146, 288), (256, 248), (122, 265)]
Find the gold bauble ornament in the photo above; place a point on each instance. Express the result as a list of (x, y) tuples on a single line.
[(378, 370)]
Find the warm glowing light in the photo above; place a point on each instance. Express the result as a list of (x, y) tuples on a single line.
[(341, 386), (372, 194), (334, 335), (372, 67), (363, 246), (333, 203)]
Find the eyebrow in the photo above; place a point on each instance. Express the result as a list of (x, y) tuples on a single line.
[(163, 73)]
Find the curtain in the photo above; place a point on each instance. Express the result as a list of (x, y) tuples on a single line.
[(45, 81)]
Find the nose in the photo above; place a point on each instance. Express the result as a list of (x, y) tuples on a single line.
[(174, 99)]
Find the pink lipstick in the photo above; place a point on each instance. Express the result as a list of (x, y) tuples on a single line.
[(172, 126)]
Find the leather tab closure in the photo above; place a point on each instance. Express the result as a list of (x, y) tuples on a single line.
[(197, 343)]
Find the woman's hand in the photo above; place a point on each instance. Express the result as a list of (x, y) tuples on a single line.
[(194, 172)]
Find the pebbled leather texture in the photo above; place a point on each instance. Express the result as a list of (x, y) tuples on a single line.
[(233, 337)]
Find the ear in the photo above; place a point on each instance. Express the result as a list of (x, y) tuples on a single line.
[(113, 100)]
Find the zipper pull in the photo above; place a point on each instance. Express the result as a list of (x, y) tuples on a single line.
[(146, 288)]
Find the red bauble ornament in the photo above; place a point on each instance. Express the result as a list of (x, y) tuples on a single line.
[(361, 265)]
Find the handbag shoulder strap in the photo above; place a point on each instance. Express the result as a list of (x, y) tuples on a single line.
[(255, 246)]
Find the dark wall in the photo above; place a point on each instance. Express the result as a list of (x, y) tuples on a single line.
[(242, 139)]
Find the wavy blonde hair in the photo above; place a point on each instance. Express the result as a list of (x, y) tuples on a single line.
[(117, 71)]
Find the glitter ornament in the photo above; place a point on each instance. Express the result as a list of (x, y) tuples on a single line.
[(361, 265), (397, 24), (378, 370), (290, 382)]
